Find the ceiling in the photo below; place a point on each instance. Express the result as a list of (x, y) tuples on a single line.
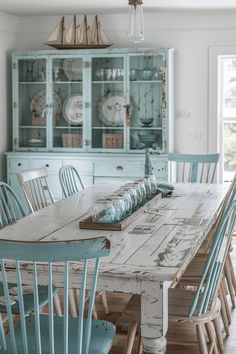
[(58, 7)]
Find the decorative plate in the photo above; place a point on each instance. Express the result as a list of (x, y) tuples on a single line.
[(111, 110), (73, 69), (38, 105), (72, 110)]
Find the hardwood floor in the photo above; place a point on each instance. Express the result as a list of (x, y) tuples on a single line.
[(118, 302)]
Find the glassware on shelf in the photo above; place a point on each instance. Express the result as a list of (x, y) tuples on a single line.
[(133, 74)]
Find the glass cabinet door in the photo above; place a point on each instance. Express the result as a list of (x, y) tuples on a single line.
[(147, 88), (68, 103), (30, 106), (108, 103)]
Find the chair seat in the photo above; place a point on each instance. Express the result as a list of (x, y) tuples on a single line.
[(102, 335), (28, 299), (178, 306)]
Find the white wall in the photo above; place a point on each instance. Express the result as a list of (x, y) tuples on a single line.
[(190, 33), (8, 26)]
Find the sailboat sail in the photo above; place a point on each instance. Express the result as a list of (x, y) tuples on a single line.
[(102, 38), (94, 31), (57, 34), (78, 36), (70, 34)]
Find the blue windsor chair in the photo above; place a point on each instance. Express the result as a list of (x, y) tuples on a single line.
[(12, 210), (70, 180), (192, 168), (46, 333), (71, 183)]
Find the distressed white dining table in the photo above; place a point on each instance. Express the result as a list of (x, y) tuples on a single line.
[(147, 257)]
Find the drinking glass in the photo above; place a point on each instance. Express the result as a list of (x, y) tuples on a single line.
[(119, 206), (103, 211), (142, 189), (133, 195), (127, 200), (138, 192)]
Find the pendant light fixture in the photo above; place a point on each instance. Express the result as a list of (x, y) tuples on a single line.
[(136, 23)]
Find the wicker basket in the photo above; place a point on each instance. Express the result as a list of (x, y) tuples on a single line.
[(112, 141), (72, 140), (39, 121)]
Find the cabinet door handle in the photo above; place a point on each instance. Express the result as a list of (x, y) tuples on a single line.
[(119, 167), (47, 165), (19, 164)]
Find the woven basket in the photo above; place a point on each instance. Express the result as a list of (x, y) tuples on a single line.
[(72, 140), (112, 141), (38, 121)]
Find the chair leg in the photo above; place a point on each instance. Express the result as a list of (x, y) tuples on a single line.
[(229, 282), (211, 336), (130, 338), (72, 305), (140, 345), (94, 312), (223, 313), (104, 302), (219, 336), (57, 305), (232, 272), (201, 339), (224, 292)]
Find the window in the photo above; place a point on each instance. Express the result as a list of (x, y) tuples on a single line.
[(227, 114)]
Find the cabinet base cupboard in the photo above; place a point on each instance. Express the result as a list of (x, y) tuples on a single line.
[(96, 110)]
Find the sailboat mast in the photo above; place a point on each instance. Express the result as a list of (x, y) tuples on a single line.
[(62, 29), (74, 29), (96, 21), (86, 29)]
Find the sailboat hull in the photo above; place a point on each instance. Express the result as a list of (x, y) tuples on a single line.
[(78, 46)]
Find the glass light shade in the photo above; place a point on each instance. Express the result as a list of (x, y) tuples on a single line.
[(136, 23)]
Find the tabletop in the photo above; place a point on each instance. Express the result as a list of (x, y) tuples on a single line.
[(146, 258), (157, 245)]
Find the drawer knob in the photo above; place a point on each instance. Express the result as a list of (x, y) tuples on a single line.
[(47, 165), (119, 167), (19, 164)]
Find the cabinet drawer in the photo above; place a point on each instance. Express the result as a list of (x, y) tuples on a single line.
[(84, 167), (51, 164), (17, 165), (125, 168), (160, 168)]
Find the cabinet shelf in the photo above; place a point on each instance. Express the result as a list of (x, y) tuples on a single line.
[(112, 128), (146, 81), (68, 128), (108, 82), (32, 82), (146, 128), (67, 82), (33, 127)]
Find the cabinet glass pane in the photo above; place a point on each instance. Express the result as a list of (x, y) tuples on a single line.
[(32, 113), (147, 86), (68, 106), (108, 103)]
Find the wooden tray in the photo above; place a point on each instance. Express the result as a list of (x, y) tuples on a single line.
[(88, 223)]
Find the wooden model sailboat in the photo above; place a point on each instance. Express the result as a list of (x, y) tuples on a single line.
[(78, 36)]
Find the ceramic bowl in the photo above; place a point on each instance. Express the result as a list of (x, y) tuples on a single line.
[(145, 74), (146, 121), (147, 138)]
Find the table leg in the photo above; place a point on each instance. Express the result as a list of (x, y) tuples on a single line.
[(154, 316)]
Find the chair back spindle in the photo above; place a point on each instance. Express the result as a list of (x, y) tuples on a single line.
[(11, 208), (70, 180), (36, 189), (192, 168)]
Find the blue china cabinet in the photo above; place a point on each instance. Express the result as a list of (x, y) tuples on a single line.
[(95, 109)]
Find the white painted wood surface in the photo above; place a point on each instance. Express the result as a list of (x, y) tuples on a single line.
[(146, 258)]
